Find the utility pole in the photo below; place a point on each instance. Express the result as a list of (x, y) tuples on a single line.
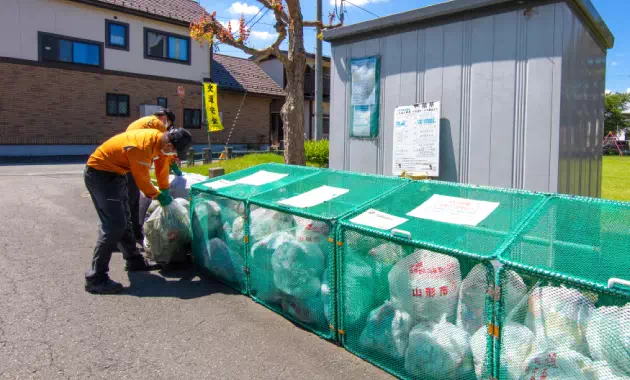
[(319, 79)]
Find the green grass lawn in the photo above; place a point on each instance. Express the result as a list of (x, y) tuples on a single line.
[(616, 178), (239, 163)]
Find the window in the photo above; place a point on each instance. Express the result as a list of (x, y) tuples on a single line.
[(192, 118), (116, 35), (166, 46), (326, 124), (162, 102), (54, 48), (117, 105)]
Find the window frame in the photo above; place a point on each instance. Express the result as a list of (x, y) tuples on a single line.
[(188, 126), (165, 102), (108, 44), (107, 95), (167, 34), (40, 49)]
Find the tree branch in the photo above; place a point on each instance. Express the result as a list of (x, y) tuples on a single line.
[(276, 7), (320, 25)]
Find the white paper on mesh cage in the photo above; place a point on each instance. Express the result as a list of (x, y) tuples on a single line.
[(378, 219), (443, 208), (261, 177), (314, 197), (216, 185)]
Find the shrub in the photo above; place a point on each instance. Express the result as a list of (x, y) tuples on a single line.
[(316, 152)]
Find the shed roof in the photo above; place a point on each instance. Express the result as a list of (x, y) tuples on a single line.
[(453, 7), (241, 74)]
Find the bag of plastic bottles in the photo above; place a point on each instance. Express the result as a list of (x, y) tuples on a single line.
[(263, 286), (387, 331), (557, 365), (359, 290), (479, 347), (223, 264), (168, 232), (515, 349), (425, 284), (298, 269), (264, 222), (471, 312), (608, 336)]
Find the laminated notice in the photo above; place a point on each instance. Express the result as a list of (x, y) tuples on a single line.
[(454, 210), (314, 197), (219, 184), (378, 219), (261, 177)]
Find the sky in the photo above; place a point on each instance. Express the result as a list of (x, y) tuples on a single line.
[(614, 12)]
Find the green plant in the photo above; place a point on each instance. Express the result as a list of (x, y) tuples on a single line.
[(317, 152)]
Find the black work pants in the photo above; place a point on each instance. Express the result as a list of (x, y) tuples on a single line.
[(134, 206)]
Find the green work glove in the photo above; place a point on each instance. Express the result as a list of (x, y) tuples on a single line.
[(175, 169), (164, 198)]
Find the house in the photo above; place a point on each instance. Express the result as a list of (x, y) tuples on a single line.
[(76, 72), (275, 69)]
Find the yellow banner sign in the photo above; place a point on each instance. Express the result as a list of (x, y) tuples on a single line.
[(212, 108)]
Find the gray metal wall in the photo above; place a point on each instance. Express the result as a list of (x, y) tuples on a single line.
[(499, 79)]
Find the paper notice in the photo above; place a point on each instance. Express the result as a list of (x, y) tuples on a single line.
[(261, 177), (219, 184), (377, 219), (454, 210), (314, 197)]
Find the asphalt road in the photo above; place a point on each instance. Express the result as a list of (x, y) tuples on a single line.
[(163, 326)]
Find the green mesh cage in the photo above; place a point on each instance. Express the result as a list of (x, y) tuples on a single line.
[(219, 222), (564, 311), (291, 261), (416, 299)]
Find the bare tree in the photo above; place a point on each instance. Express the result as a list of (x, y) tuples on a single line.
[(289, 22)]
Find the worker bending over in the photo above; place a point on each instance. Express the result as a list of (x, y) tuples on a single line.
[(162, 121), (128, 152)]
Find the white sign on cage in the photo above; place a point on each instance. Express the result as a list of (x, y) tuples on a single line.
[(416, 147)]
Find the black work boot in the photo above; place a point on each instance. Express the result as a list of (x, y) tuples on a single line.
[(103, 286), (141, 264)]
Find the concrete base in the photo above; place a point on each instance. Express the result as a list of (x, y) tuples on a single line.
[(215, 172)]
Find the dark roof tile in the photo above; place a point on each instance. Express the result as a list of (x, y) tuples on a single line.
[(240, 74), (180, 10)]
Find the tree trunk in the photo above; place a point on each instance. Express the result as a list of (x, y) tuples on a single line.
[(293, 109)]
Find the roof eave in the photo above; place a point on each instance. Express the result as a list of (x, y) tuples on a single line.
[(135, 12)]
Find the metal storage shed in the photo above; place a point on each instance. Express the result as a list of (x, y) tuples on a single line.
[(521, 85)]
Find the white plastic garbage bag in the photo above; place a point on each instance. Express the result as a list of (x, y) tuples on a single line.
[(206, 219), (168, 232), (180, 185), (384, 257), (309, 310), (557, 365), (515, 297), (438, 351), (515, 349), (298, 268), (263, 286), (425, 284), (324, 293), (603, 371), (479, 347), (608, 336), (223, 264), (264, 222), (311, 231), (386, 331), (558, 316), (471, 312), (359, 290)]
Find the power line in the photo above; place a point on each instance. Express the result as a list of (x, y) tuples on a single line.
[(261, 17), (372, 13)]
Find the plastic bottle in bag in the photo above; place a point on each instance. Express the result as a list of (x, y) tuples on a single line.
[(557, 365), (264, 222), (263, 286), (168, 232), (516, 347), (473, 292), (425, 284), (608, 336), (387, 331), (298, 269), (558, 316), (438, 351)]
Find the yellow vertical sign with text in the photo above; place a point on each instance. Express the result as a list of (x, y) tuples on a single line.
[(212, 108)]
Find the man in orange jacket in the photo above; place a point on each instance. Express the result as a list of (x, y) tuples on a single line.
[(105, 180), (162, 121)]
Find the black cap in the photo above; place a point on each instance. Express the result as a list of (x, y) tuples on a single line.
[(168, 113), (181, 140)]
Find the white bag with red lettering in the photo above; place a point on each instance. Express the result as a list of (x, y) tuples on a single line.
[(554, 365), (425, 284)]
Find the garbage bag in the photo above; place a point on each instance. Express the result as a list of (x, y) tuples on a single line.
[(180, 185), (298, 268), (558, 316), (206, 219), (438, 351), (359, 290), (168, 232), (479, 348), (516, 347), (230, 210), (144, 203), (608, 336), (603, 371), (384, 257), (324, 293), (264, 222), (386, 331), (309, 310), (471, 312), (515, 297), (223, 264), (312, 232), (557, 365), (263, 286), (425, 284)]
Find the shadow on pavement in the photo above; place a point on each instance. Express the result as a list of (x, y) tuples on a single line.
[(177, 283)]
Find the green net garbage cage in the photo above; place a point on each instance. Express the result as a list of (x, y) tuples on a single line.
[(218, 219), (291, 262), (416, 277), (564, 306)]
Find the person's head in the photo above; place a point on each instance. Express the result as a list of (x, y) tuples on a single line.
[(176, 141), (166, 116)]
